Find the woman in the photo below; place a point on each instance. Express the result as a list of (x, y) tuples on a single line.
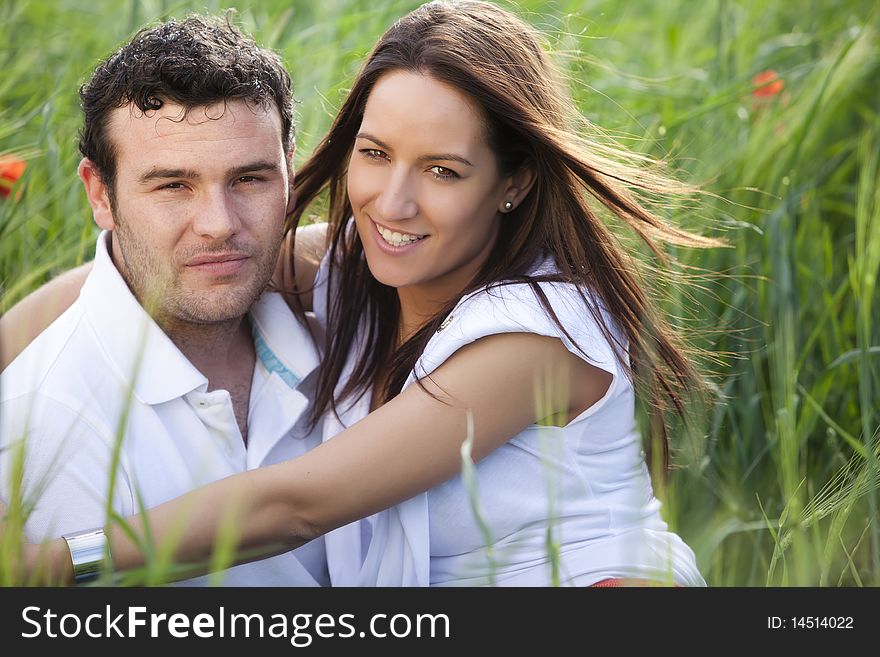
[(488, 295)]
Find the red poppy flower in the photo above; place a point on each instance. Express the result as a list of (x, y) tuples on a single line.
[(11, 169), (767, 84)]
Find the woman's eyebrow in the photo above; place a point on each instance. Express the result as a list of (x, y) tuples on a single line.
[(431, 157)]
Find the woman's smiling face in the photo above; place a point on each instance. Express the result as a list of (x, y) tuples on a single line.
[(424, 186)]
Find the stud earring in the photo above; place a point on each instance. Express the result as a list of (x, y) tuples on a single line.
[(508, 206)]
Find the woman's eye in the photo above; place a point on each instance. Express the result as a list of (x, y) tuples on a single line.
[(443, 173), (374, 153)]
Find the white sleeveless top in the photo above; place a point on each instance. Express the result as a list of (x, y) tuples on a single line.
[(586, 484)]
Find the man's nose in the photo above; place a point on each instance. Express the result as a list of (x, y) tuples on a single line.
[(216, 216)]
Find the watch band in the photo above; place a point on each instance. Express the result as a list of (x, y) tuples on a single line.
[(87, 552)]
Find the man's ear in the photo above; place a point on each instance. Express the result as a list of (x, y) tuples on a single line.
[(519, 184), (96, 191), (291, 177)]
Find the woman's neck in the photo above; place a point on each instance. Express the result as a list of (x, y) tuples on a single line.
[(416, 310)]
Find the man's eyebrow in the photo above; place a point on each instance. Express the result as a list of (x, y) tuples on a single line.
[(254, 167), (162, 173), (431, 157)]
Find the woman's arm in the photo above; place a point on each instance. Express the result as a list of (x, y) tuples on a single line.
[(307, 252), (407, 446), (30, 316)]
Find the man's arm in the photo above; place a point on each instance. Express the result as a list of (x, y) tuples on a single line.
[(33, 314)]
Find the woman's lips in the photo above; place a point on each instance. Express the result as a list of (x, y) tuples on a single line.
[(394, 249)]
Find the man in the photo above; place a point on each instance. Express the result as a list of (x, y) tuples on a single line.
[(172, 369)]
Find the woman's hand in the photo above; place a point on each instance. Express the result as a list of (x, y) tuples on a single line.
[(30, 564)]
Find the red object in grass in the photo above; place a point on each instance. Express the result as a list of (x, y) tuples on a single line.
[(11, 169), (767, 84)]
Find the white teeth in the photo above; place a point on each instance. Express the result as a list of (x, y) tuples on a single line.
[(397, 239)]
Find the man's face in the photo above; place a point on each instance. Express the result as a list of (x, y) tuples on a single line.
[(200, 201)]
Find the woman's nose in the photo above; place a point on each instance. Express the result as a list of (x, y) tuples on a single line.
[(397, 199)]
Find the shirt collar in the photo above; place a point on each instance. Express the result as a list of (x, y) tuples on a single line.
[(142, 354), (283, 344), (152, 365)]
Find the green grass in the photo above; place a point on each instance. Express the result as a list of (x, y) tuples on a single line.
[(780, 486)]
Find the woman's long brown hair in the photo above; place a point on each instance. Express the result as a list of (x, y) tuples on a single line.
[(495, 60)]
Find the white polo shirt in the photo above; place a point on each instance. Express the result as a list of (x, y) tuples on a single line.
[(105, 370)]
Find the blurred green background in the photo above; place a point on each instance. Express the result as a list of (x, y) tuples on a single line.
[(780, 485)]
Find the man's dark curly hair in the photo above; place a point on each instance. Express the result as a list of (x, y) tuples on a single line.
[(195, 62)]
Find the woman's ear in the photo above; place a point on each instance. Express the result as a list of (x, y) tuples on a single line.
[(97, 193), (519, 184)]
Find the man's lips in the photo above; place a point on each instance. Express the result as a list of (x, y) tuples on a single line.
[(218, 264), (215, 258)]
